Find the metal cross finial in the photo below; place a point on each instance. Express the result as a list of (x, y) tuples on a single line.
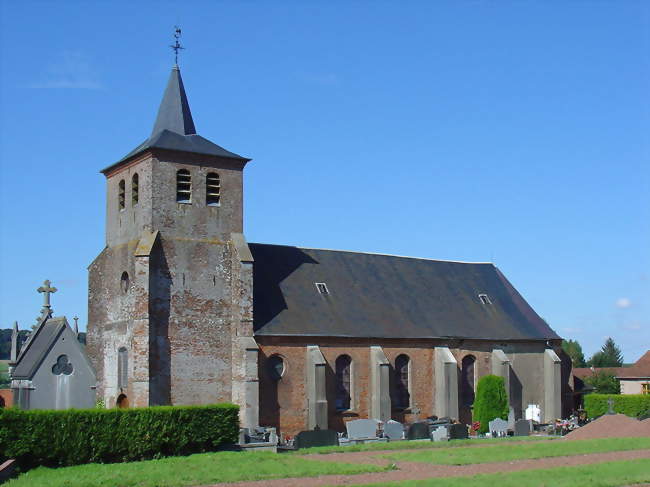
[(177, 45), (46, 289)]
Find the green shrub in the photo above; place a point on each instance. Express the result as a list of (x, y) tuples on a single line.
[(491, 401), (78, 436), (633, 405)]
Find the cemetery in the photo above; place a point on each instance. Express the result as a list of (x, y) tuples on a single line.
[(212, 361)]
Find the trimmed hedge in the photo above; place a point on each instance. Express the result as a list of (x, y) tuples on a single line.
[(491, 401), (78, 436), (634, 405)]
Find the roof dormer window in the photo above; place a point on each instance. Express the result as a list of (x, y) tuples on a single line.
[(322, 288), (485, 299)]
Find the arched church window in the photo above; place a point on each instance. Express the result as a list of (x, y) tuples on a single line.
[(467, 380), (135, 180), (343, 382), (122, 368), (121, 194), (402, 394), (183, 186), (276, 367), (212, 189)]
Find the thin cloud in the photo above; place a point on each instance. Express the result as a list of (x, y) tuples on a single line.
[(623, 303), (71, 70)]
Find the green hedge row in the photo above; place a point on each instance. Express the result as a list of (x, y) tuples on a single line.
[(78, 436), (633, 405)]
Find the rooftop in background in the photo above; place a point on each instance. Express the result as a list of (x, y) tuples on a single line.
[(639, 370)]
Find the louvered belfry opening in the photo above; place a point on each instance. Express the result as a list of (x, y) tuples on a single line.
[(121, 194), (212, 189), (183, 186), (135, 188)]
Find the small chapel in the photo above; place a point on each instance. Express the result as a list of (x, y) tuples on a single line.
[(183, 310)]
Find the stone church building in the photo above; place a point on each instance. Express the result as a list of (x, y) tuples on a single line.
[(182, 310)]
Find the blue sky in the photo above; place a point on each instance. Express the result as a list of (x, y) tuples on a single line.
[(512, 132)]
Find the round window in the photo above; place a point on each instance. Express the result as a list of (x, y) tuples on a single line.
[(276, 367), (124, 282)]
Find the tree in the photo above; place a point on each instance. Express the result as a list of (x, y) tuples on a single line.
[(491, 401), (604, 382), (573, 349), (608, 356)]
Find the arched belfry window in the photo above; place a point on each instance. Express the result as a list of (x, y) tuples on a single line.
[(121, 194), (122, 368), (135, 188), (402, 395), (212, 189), (343, 382), (183, 186)]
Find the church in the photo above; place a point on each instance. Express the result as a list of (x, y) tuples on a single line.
[(183, 310)]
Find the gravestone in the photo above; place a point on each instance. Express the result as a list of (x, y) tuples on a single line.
[(457, 432), (393, 430), (361, 429), (440, 434), (511, 419), (418, 431), (522, 427), (533, 412), (498, 427), (308, 439)]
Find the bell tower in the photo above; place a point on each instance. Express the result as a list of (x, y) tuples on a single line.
[(170, 296)]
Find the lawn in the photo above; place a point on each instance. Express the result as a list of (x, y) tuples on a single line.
[(505, 453), (609, 474), (200, 469), (418, 445)]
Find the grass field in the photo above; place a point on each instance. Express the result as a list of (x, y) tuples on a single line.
[(506, 453), (208, 468), (200, 469), (610, 474), (417, 445)]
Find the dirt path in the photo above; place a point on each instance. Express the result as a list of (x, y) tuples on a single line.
[(421, 471)]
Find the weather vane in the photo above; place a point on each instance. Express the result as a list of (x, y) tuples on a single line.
[(177, 45)]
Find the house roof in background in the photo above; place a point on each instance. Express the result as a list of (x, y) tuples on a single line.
[(640, 370)]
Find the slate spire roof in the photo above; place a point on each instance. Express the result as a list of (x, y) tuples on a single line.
[(174, 127), (174, 113)]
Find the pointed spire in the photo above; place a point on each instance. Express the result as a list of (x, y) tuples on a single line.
[(14, 343), (174, 112)]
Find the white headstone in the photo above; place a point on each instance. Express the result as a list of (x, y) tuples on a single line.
[(511, 419), (393, 430), (533, 412), (440, 434), (362, 428)]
